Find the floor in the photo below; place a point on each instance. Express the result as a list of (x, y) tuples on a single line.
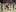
[(9, 8)]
